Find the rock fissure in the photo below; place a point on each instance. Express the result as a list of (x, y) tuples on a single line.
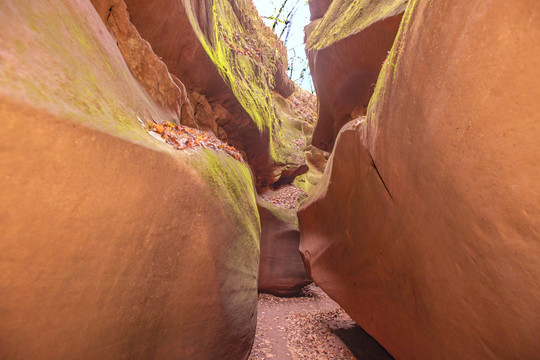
[(380, 176)]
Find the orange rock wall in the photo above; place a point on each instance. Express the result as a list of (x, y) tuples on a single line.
[(425, 226), (105, 254), (317, 8), (344, 75), (113, 244), (281, 270), (176, 38), (145, 65)]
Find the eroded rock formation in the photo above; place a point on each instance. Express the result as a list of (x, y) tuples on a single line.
[(303, 105), (281, 271), (145, 65), (346, 49), (425, 226), (222, 51), (114, 244)]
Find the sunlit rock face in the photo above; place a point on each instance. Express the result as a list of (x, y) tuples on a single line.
[(114, 244), (425, 226), (346, 50), (224, 52), (281, 271)]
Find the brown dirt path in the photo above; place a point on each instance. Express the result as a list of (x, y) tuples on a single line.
[(305, 327), (300, 328)]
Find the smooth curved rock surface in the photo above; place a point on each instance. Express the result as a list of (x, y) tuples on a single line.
[(425, 227), (345, 67), (113, 244), (281, 270)]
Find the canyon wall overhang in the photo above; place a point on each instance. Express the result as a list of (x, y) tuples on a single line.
[(346, 49)]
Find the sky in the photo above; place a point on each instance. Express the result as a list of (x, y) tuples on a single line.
[(293, 37)]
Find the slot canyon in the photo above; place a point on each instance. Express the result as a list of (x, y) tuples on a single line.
[(169, 192)]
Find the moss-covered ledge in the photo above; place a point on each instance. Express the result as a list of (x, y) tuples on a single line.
[(348, 17), (248, 57)]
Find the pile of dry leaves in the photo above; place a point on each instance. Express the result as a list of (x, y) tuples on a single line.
[(183, 137), (286, 196)]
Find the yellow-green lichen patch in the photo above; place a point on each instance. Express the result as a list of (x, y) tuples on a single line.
[(308, 181), (231, 182), (60, 57), (389, 71), (289, 142), (288, 136), (241, 61), (232, 186), (247, 55), (348, 17)]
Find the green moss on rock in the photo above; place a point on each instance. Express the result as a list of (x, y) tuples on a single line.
[(308, 181), (388, 71), (247, 54), (232, 184), (60, 58), (348, 17), (237, 57)]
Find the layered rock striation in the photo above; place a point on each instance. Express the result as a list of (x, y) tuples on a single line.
[(426, 223)]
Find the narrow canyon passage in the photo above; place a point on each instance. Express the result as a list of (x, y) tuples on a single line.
[(168, 191), (301, 322), (310, 325), (298, 324), (300, 327)]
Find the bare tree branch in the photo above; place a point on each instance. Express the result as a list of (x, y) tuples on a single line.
[(278, 14)]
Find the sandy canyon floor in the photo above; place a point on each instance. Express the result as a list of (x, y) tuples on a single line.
[(311, 326)]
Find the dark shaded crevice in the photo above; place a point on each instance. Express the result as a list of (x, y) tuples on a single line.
[(362, 345), (109, 14)]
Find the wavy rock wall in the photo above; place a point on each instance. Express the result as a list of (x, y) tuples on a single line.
[(346, 49), (426, 223), (281, 270), (113, 244), (225, 56)]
